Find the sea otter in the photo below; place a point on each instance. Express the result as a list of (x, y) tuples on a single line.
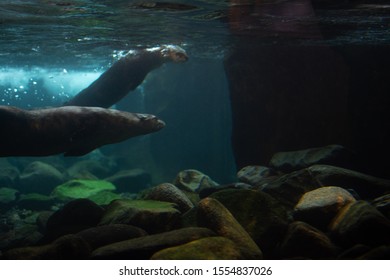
[(72, 130), (125, 75)]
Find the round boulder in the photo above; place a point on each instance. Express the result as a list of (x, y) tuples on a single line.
[(320, 206), (40, 176), (170, 193), (193, 180)]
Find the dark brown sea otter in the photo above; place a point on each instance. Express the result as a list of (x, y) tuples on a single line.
[(125, 75), (72, 130)]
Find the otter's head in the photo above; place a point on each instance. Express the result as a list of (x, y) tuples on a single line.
[(173, 53)]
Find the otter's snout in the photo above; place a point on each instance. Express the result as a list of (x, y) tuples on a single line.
[(174, 53), (151, 121)]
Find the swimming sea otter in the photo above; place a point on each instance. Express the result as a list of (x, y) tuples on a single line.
[(125, 75), (72, 130)]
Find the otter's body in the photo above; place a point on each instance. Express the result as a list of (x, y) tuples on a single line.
[(74, 131), (125, 75)]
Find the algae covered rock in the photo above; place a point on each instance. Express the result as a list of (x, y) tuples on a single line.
[(8, 196), (144, 247), (9, 174), (40, 176), (75, 189), (103, 235), (170, 193), (354, 252), (254, 174), (382, 203), (232, 186), (209, 248), (23, 235), (193, 180), (336, 155), (42, 219), (304, 241), (360, 223), (378, 253), (262, 216), (88, 169), (75, 216), (366, 186), (289, 188), (213, 215), (68, 247), (152, 216), (104, 198), (320, 206)]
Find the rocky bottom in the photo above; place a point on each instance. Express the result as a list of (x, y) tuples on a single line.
[(305, 205)]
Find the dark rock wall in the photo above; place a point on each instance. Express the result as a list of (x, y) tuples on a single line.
[(368, 105), (288, 94), (286, 98)]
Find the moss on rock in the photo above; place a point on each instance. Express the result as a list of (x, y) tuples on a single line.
[(74, 189), (210, 248), (150, 215)]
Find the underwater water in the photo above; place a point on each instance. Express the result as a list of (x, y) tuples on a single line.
[(51, 50), (262, 77)]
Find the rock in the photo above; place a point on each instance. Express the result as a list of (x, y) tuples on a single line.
[(304, 241), (103, 235), (209, 248), (42, 219), (40, 176), (82, 175), (379, 253), (193, 197), (144, 247), (68, 247), (9, 174), (382, 203), (254, 174), (233, 186), (360, 223), (35, 201), (88, 169), (335, 155), (262, 216), (365, 185), (8, 197), (75, 189), (354, 252), (74, 217), (213, 215), (320, 206), (132, 180), (290, 187), (24, 235), (170, 193), (104, 198), (189, 218), (193, 180), (152, 216), (15, 218)]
